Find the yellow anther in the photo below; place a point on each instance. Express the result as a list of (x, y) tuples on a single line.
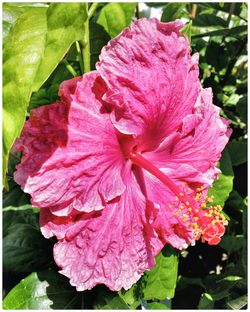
[(187, 203), (190, 209), (182, 194), (170, 206), (196, 210), (203, 205), (210, 199), (196, 218), (181, 207)]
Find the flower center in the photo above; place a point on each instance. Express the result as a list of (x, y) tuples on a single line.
[(188, 207)]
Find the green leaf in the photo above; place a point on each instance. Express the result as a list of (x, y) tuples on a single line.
[(12, 11), (223, 187), (187, 30), (15, 199), (21, 56), (24, 247), (224, 32), (107, 300), (219, 286), (172, 11), (231, 278), (206, 302), (65, 25), (238, 152), (45, 290), (232, 243), (157, 306), (206, 20), (98, 39), (161, 281), (241, 108), (132, 297), (115, 16), (238, 303)]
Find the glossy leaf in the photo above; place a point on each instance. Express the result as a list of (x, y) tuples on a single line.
[(238, 152), (224, 185), (115, 16), (45, 290), (25, 249), (22, 53), (65, 25), (157, 306), (187, 30), (107, 300), (172, 11), (98, 39), (224, 32), (132, 297), (161, 281), (206, 302), (206, 20)]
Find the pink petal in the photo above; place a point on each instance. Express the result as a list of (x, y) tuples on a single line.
[(114, 246), (71, 155), (198, 144), (152, 79)]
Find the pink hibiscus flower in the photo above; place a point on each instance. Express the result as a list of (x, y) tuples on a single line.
[(120, 166)]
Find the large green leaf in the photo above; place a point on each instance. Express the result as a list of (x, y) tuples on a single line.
[(157, 306), (24, 247), (224, 32), (65, 25), (238, 152), (35, 45), (45, 290), (161, 281), (22, 52), (98, 39), (222, 187), (114, 17), (206, 20), (206, 302), (132, 297), (107, 300), (172, 11)]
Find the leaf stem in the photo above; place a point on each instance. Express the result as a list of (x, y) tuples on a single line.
[(70, 68), (79, 52), (92, 9), (86, 42)]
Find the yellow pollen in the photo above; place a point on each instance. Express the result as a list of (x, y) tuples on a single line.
[(196, 210), (182, 194), (170, 206), (187, 203), (196, 218), (210, 199), (190, 209), (181, 207)]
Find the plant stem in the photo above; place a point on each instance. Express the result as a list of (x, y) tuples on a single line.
[(70, 68), (86, 42), (79, 52), (92, 9)]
